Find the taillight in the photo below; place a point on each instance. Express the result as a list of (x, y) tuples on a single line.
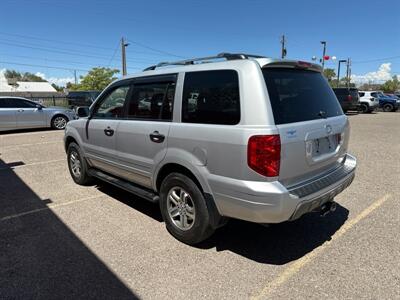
[(264, 154), (349, 98)]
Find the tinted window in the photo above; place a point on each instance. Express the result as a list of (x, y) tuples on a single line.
[(112, 106), (4, 103), (300, 95), (20, 103), (211, 97), (152, 101), (361, 94)]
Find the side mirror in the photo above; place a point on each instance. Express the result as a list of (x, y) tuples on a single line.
[(39, 107), (82, 111)]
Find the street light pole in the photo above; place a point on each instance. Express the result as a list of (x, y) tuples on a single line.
[(323, 54), (338, 72)]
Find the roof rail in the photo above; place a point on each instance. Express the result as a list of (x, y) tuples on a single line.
[(227, 56)]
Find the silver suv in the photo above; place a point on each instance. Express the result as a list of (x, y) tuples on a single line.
[(231, 136)]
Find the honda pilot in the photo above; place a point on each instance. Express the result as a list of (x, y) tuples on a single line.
[(208, 139)]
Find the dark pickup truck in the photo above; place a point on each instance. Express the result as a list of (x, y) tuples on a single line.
[(81, 98), (348, 98)]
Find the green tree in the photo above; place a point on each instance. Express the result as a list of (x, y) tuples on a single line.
[(18, 76), (391, 86), (57, 87), (330, 74), (96, 79)]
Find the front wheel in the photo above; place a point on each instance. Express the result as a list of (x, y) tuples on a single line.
[(184, 209), (77, 165), (388, 107), (59, 122)]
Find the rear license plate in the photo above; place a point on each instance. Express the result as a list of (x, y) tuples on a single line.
[(324, 145)]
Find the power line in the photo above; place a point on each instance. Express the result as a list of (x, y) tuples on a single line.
[(115, 52), (49, 67), (154, 49), (92, 46), (375, 60), (41, 66), (72, 53)]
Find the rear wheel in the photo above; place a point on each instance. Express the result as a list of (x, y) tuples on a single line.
[(59, 122), (364, 108), (77, 165), (388, 107), (184, 209)]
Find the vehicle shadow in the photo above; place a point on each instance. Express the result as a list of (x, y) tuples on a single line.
[(40, 256), (277, 244), (145, 207)]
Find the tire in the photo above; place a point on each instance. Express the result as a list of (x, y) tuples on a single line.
[(387, 107), (364, 108), (180, 200), (59, 122), (78, 170)]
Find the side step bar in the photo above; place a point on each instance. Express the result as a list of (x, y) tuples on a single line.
[(130, 187)]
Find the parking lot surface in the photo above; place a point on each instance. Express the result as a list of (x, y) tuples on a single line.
[(61, 240)]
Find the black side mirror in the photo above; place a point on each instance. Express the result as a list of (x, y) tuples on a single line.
[(82, 111), (38, 106)]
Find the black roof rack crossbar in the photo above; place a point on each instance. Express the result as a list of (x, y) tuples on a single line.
[(227, 56)]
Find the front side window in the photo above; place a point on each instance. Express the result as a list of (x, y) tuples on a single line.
[(20, 103), (211, 97), (112, 106), (152, 101)]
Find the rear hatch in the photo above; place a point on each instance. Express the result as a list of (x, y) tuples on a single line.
[(312, 127)]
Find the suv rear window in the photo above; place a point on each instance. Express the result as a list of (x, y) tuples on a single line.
[(211, 97), (300, 95)]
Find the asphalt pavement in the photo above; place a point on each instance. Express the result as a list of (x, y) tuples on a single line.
[(61, 240)]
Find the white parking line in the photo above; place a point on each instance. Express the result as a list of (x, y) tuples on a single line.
[(29, 212), (31, 133), (31, 144), (299, 264), (33, 164)]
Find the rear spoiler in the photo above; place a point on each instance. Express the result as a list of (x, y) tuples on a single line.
[(294, 64)]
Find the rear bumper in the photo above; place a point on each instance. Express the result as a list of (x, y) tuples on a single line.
[(272, 202)]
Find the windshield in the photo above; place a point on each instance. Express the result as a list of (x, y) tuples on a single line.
[(300, 95)]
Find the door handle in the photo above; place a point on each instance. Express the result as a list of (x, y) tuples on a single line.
[(20, 110), (108, 131), (156, 137)]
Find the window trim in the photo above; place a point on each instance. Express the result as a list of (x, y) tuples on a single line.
[(107, 93), (213, 124), (154, 79)]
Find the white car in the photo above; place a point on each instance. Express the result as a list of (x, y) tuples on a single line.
[(368, 101)]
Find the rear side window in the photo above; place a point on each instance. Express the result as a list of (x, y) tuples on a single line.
[(361, 94), (211, 97), (152, 101), (300, 95)]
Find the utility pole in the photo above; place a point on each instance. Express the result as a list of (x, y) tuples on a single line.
[(76, 79), (323, 54), (123, 56), (283, 48), (338, 72)]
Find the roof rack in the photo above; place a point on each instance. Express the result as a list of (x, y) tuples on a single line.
[(227, 56)]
